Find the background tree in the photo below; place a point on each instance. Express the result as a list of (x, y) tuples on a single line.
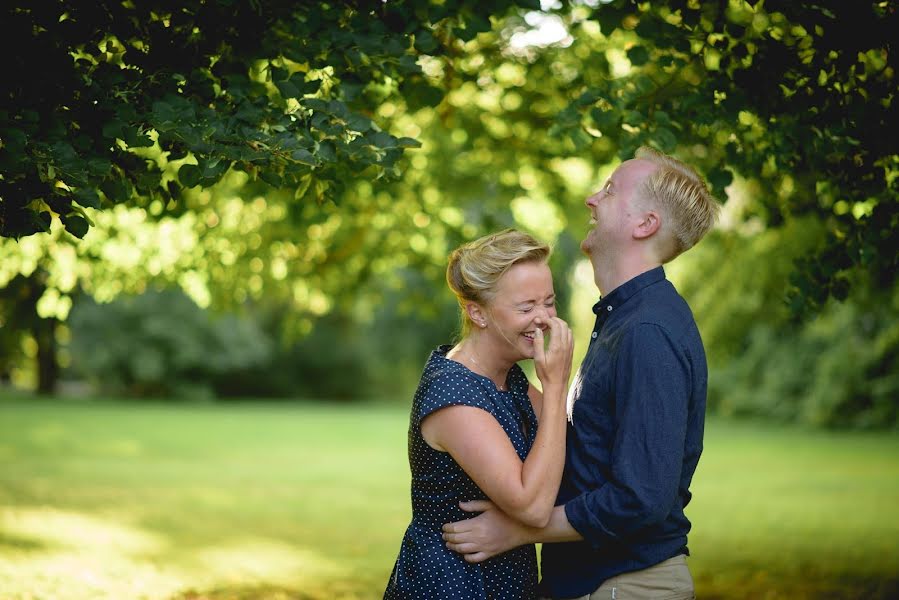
[(794, 96), (275, 89), (516, 124)]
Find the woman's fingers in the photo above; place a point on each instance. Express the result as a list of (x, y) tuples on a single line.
[(539, 351), (477, 505), (462, 548), (477, 557)]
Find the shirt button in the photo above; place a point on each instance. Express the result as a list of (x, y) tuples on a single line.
[(593, 335), (609, 308)]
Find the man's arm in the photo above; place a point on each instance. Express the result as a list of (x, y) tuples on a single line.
[(652, 393), (493, 532)]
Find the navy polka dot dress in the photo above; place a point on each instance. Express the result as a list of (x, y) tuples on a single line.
[(426, 568)]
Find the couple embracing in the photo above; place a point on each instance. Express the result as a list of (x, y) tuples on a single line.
[(599, 473)]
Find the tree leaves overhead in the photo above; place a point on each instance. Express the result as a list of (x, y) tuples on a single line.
[(796, 96), (281, 90), (136, 103)]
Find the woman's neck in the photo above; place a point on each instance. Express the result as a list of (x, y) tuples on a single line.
[(476, 353)]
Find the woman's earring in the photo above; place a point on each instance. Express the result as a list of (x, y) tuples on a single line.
[(483, 324)]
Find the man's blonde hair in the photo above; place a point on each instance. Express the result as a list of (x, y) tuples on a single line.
[(682, 196), (475, 268)]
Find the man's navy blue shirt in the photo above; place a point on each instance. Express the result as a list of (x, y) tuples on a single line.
[(634, 439)]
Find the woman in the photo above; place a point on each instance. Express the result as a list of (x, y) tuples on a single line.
[(479, 430)]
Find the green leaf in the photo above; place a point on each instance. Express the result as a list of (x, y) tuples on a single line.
[(309, 87), (610, 18), (326, 151), (381, 139), (665, 139), (279, 74), (189, 175), (719, 179), (478, 23), (605, 119), (317, 105), (270, 177), (634, 117), (425, 42), (302, 187), (76, 225), (113, 129), (359, 123), (288, 89), (87, 197), (305, 157), (407, 142), (466, 35), (135, 139), (638, 55), (117, 189)]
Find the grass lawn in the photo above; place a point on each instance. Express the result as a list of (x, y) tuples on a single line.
[(111, 500)]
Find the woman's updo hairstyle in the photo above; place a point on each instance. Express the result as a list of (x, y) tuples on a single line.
[(475, 268)]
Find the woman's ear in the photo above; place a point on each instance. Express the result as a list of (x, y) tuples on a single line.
[(477, 314)]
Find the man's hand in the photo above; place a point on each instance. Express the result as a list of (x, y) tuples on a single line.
[(486, 535)]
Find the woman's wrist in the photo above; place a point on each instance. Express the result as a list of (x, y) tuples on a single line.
[(553, 388)]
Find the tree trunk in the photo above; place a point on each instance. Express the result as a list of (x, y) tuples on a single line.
[(44, 332)]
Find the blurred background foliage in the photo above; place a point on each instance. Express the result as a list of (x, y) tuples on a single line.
[(253, 219)]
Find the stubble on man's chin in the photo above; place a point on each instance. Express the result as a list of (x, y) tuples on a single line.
[(586, 248)]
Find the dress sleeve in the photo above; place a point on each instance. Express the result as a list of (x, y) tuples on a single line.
[(450, 389)]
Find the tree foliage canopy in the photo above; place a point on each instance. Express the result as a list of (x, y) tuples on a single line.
[(254, 155), (107, 103), (279, 90), (797, 97)]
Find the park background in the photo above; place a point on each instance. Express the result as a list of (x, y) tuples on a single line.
[(224, 232)]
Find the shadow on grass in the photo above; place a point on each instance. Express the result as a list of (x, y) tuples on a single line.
[(15, 542), (317, 591), (842, 589)]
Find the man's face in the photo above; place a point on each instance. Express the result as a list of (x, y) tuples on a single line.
[(613, 214)]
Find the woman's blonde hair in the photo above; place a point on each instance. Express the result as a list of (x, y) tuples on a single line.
[(475, 268), (683, 197)]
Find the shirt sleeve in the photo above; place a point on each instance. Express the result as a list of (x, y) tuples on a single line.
[(652, 392), (451, 389)]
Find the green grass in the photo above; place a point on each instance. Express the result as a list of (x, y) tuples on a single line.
[(309, 501)]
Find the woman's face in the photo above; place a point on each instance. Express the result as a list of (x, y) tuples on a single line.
[(523, 303)]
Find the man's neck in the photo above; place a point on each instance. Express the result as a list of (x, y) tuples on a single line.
[(609, 277)]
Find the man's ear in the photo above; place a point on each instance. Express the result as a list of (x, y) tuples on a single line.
[(648, 225)]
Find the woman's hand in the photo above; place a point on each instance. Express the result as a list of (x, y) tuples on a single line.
[(553, 363), (486, 535)]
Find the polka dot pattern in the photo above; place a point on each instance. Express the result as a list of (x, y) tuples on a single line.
[(425, 568)]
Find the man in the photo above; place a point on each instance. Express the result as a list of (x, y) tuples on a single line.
[(636, 407)]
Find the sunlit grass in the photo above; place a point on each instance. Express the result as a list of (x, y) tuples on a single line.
[(289, 501)]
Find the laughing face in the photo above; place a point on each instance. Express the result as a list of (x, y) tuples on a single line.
[(524, 302), (612, 211)]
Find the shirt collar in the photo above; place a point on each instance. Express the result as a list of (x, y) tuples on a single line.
[(620, 295)]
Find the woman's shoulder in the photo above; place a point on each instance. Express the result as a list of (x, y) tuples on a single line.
[(447, 381)]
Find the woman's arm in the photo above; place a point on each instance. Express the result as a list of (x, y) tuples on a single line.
[(492, 532), (527, 490), (536, 397)]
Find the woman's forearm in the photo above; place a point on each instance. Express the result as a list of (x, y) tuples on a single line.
[(541, 472)]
